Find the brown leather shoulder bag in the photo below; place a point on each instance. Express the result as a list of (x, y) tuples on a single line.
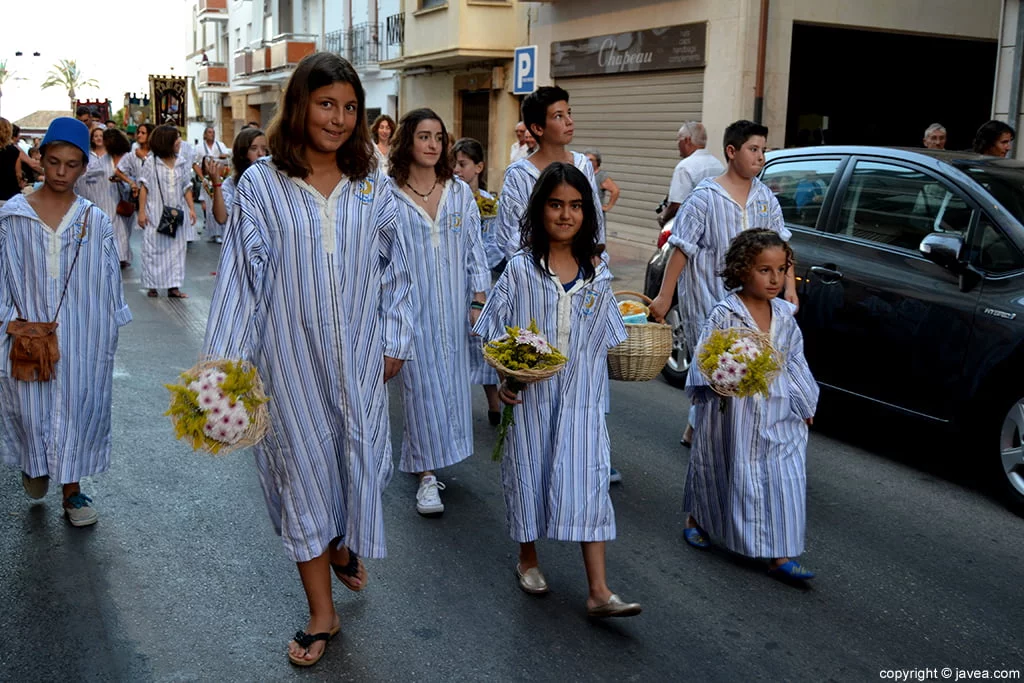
[(34, 348)]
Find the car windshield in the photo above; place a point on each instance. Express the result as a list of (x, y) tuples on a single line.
[(1005, 184)]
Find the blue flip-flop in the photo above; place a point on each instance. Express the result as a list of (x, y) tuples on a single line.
[(696, 538), (792, 570)]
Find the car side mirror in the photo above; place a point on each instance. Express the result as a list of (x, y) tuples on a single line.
[(943, 249)]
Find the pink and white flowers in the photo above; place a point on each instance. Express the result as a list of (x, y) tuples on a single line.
[(226, 418)]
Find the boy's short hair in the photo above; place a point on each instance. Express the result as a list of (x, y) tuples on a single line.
[(737, 134), (82, 111), (535, 106)]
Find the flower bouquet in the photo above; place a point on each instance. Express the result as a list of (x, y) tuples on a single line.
[(738, 362), (219, 407), (488, 207), (521, 356)]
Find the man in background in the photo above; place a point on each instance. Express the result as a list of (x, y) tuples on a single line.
[(696, 165), (935, 136)]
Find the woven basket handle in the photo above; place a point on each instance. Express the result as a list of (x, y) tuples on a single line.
[(635, 295)]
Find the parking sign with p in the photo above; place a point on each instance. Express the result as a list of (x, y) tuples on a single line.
[(524, 79)]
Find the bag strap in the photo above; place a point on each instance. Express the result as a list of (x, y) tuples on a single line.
[(78, 250)]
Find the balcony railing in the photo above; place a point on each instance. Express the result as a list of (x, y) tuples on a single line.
[(395, 30), (213, 9), (243, 63), (362, 45), (288, 50), (212, 73)]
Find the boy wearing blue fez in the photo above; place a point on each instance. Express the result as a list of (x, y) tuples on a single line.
[(59, 262)]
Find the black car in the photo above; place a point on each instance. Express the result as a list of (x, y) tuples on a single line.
[(910, 270)]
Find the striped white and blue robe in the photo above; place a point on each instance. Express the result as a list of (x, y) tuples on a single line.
[(95, 186), (183, 165), (131, 164), (315, 291), (480, 373), (448, 263), (516, 189), (556, 464), (163, 257), (747, 480), (707, 223), (60, 428)]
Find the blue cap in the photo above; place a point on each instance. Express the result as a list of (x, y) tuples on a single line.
[(69, 130)]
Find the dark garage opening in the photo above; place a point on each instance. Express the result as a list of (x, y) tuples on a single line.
[(858, 87)]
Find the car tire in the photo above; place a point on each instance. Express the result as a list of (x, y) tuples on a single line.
[(1009, 428), (678, 364)]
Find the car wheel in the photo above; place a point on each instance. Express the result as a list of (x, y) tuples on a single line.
[(1011, 451), (678, 364)]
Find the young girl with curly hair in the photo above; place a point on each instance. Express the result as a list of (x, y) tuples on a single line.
[(747, 479)]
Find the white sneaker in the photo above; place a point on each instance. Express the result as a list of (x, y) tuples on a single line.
[(79, 510), (428, 498)]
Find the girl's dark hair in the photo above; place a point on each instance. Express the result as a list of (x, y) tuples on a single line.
[(744, 248), (116, 142), (376, 126), (148, 126), (402, 143), (161, 141), (240, 150), (287, 131), (585, 246), (989, 133), (473, 150)]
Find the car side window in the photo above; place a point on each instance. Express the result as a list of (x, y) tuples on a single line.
[(800, 185), (898, 206), (994, 252)]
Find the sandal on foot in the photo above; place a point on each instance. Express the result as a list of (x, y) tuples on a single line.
[(176, 294), (696, 538), (791, 570), (152, 294), (306, 640), (354, 570)]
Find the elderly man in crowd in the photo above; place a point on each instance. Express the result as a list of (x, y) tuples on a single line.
[(935, 136), (520, 149), (696, 165)]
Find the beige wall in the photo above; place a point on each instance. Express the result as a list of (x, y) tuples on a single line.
[(463, 24), (730, 74)]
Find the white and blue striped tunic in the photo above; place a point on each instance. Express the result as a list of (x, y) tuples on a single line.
[(520, 179), (212, 227), (707, 222), (480, 373), (448, 263), (557, 457), (489, 228), (95, 186), (60, 428), (163, 257), (315, 291), (183, 165), (131, 164), (747, 480)]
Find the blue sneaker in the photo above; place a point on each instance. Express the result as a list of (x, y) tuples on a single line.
[(792, 570), (696, 538), (615, 478)]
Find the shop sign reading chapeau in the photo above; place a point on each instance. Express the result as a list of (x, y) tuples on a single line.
[(656, 49)]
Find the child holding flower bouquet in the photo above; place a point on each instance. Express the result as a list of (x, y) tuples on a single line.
[(747, 479), (556, 464)]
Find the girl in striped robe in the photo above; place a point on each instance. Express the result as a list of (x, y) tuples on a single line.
[(747, 478), (556, 464), (60, 429), (468, 157), (441, 224), (314, 289), (250, 145)]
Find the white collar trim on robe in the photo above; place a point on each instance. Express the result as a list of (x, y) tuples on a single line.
[(327, 206), (53, 237), (434, 223), (563, 326)]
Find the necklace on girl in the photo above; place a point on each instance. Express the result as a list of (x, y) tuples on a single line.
[(420, 194)]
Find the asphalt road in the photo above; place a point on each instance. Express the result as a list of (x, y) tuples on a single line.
[(183, 579)]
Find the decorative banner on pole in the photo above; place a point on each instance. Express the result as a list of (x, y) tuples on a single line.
[(102, 108), (136, 111), (169, 95)]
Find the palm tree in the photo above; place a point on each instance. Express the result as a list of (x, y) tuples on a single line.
[(66, 74), (5, 74)]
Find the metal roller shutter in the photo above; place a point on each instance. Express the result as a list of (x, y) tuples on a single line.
[(633, 119)]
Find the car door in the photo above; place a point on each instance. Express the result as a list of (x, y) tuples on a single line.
[(804, 186), (894, 326)]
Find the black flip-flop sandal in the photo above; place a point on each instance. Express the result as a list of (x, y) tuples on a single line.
[(347, 572), (306, 640)]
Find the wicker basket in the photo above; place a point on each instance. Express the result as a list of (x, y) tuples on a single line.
[(259, 419), (530, 376), (643, 355)]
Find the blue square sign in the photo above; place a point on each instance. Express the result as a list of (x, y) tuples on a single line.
[(524, 75)]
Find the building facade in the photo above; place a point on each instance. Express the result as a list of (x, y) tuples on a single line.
[(242, 53)]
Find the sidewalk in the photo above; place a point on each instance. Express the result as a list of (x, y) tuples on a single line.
[(628, 261)]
